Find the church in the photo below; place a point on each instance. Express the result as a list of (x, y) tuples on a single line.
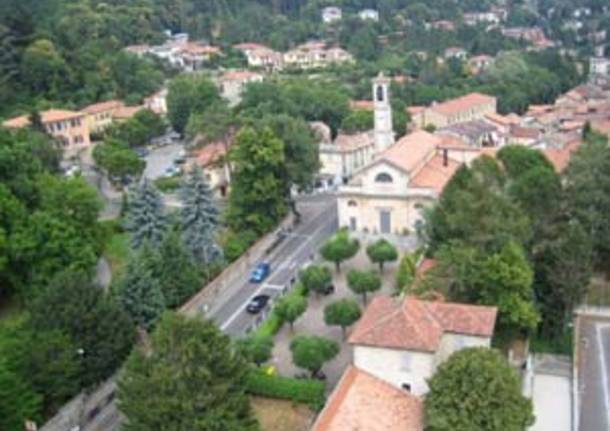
[(387, 196)]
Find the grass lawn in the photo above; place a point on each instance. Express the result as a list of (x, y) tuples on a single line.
[(116, 252), (280, 415)]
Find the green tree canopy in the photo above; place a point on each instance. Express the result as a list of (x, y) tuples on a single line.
[(363, 282), (315, 278), (311, 352), (256, 349), (191, 379), (290, 308), (476, 389), (189, 95), (381, 251), (340, 248), (118, 160), (343, 313)]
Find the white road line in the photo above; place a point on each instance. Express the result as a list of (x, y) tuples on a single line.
[(296, 235), (274, 286), (240, 309), (603, 360)]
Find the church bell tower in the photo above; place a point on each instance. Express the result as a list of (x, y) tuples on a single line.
[(384, 132)]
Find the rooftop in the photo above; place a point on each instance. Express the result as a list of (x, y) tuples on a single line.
[(102, 106), (411, 150), (435, 174), (239, 75), (414, 324), (363, 402), (469, 129), (345, 142), (126, 112), (50, 116), (463, 103), (364, 105), (211, 153)]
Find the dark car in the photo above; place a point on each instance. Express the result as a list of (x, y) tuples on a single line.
[(257, 304), (329, 290)]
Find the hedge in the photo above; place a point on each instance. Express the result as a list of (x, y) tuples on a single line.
[(273, 323), (310, 392)]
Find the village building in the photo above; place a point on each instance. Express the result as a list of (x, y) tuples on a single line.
[(192, 55), (68, 127), (233, 83), (480, 63), (475, 18), (444, 25), (477, 133), (474, 106), (331, 14), (261, 56), (212, 159), (99, 116), (368, 15), (125, 113), (315, 54), (157, 102), (456, 52), (599, 71), (389, 195)]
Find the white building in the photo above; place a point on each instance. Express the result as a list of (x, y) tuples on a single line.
[(261, 56), (384, 131), (402, 342), (599, 70), (157, 102), (331, 14), (233, 83), (368, 15)]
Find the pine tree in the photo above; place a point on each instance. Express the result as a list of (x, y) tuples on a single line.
[(145, 219), (140, 292), (199, 218), (178, 274)]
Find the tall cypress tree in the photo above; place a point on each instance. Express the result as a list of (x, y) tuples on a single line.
[(145, 220), (199, 218), (139, 291)]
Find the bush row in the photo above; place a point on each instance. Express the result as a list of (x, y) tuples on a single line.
[(310, 392), (273, 323)]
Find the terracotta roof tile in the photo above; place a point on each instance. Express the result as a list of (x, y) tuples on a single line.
[(50, 116), (364, 105), (463, 103), (102, 106), (412, 150), (349, 142), (126, 112), (211, 153), (435, 175), (361, 402), (419, 325), (240, 75)]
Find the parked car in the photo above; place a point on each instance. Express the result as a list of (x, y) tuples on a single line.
[(257, 304), (172, 171), (260, 272), (179, 160)]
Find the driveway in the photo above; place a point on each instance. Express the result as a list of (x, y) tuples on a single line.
[(551, 393), (159, 159), (312, 322)]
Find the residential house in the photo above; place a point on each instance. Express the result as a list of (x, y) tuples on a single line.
[(157, 102), (261, 56), (233, 83), (456, 52), (444, 25), (194, 54), (388, 196), (527, 136), (125, 113), (99, 116), (474, 106), (475, 18), (503, 122), (476, 133), (534, 35), (69, 127), (346, 155), (362, 401), (369, 15), (315, 54), (403, 341), (480, 63), (599, 71), (331, 14), (212, 158)]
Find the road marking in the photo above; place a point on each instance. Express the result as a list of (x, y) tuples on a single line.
[(274, 286), (603, 360), (241, 308), (296, 235)]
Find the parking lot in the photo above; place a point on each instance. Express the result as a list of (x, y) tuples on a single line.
[(160, 159)]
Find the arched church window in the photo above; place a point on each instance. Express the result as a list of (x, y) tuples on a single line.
[(384, 178), (380, 93), (352, 204)]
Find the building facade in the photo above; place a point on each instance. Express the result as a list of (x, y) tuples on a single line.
[(473, 106), (99, 116)]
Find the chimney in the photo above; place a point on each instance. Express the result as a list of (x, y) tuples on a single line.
[(445, 157)]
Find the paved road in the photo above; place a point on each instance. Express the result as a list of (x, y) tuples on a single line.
[(594, 374), (319, 221), (159, 159)]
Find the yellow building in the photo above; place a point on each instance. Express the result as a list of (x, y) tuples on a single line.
[(473, 106), (100, 115), (69, 127)]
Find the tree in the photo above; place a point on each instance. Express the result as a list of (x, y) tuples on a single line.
[(18, 402), (145, 220), (178, 275), (118, 160), (258, 190), (139, 292), (407, 271), (199, 218), (315, 278), (311, 352), (256, 349), (358, 121), (216, 123), (188, 94), (96, 325), (290, 308), (363, 282), (190, 379), (382, 251), (587, 181), (476, 389), (43, 67), (340, 248), (342, 313)]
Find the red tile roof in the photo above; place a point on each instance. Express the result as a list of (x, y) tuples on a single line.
[(126, 112), (560, 158), (414, 324), (364, 105), (435, 175), (50, 116), (463, 103), (240, 75), (362, 402), (412, 150), (96, 108), (250, 46), (211, 153)]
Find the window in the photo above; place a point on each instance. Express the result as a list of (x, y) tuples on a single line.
[(406, 387), (405, 362), (418, 206), (379, 93), (384, 178), (352, 204)]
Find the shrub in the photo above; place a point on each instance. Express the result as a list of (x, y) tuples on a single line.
[(168, 184), (310, 392)]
